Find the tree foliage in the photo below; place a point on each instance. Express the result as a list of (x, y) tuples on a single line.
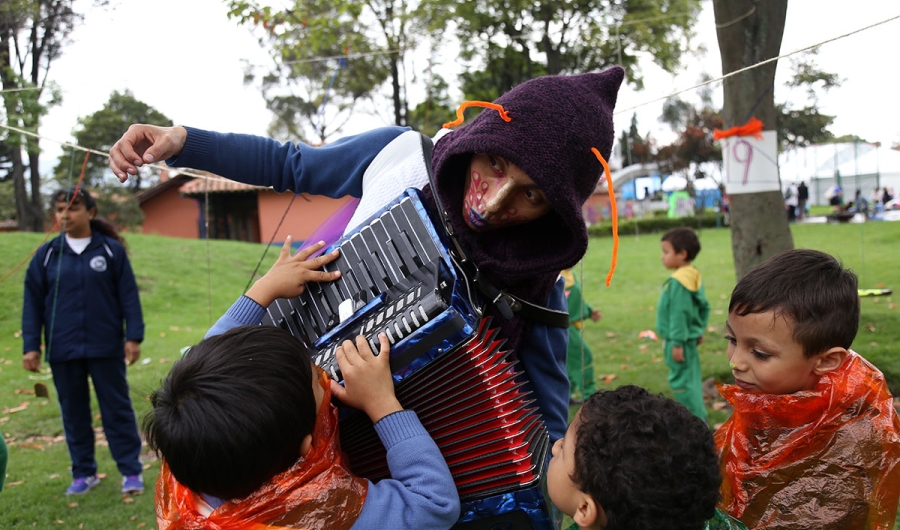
[(510, 41), (693, 151), (802, 125), (336, 52), (100, 131), (32, 35)]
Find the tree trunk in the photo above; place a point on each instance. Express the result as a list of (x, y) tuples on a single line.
[(750, 32)]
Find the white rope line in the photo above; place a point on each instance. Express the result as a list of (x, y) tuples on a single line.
[(23, 89), (757, 65)]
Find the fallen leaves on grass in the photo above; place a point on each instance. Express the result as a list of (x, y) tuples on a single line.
[(127, 498), (606, 378), (22, 406), (16, 483), (72, 505), (870, 326)]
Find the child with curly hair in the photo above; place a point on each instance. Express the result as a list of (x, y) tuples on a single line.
[(637, 461)]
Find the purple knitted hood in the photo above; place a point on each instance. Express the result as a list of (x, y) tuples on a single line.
[(555, 121)]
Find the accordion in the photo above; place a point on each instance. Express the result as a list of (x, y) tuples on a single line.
[(448, 365)]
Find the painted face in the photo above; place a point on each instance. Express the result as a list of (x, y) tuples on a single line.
[(498, 194), (670, 258), (77, 220), (764, 355), (563, 491)]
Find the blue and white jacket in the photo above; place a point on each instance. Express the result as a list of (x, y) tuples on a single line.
[(93, 295)]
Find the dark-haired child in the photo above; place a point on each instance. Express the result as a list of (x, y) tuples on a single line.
[(248, 434), (81, 292), (814, 440), (631, 460), (681, 317)]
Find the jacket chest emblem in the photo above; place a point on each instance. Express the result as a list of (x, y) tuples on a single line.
[(98, 263)]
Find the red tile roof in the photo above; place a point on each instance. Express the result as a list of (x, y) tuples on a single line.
[(215, 185)]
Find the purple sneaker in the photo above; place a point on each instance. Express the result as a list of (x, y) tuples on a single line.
[(82, 485), (133, 484)]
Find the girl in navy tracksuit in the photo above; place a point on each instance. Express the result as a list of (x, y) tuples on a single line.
[(79, 289)]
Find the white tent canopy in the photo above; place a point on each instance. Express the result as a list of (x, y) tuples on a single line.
[(860, 165)]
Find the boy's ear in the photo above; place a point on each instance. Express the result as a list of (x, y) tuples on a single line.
[(830, 360), (589, 514)]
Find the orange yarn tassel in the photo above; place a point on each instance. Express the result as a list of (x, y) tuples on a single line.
[(466, 104), (753, 127), (615, 215)]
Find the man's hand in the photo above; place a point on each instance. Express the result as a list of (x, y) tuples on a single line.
[(596, 315), (144, 144), (700, 340), (368, 385), (132, 352), (678, 354), (288, 276), (31, 361)]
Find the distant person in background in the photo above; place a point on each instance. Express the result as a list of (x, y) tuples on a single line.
[(80, 290), (860, 204), (837, 199), (886, 197), (681, 317), (791, 201), (802, 198)]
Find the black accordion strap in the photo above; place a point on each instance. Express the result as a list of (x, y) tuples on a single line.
[(508, 304)]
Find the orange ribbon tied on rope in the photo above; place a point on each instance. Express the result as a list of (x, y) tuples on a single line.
[(753, 127)]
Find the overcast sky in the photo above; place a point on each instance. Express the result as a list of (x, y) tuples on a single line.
[(185, 58)]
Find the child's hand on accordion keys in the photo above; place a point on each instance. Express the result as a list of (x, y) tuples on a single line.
[(288, 276), (368, 384)]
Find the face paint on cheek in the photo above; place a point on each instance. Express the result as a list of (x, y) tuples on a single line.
[(475, 193)]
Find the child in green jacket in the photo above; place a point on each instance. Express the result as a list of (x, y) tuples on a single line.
[(681, 317), (579, 358)]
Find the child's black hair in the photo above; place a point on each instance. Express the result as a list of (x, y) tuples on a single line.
[(812, 289), (83, 196), (683, 238), (233, 412), (646, 460)]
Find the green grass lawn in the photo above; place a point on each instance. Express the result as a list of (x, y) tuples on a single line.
[(186, 284)]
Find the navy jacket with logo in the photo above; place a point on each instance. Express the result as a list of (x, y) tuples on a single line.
[(95, 293)]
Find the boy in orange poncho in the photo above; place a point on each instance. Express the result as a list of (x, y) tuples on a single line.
[(814, 440), (248, 435)]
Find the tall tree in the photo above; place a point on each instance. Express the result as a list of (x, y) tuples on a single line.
[(750, 32), (339, 51), (634, 148), (32, 34), (101, 130), (510, 41)]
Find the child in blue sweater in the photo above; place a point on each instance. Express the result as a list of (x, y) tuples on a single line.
[(245, 442)]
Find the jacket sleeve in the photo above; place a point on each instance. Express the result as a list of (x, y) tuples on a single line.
[(129, 299), (703, 308), (244, 312), (33, 303), (543, 357), (421, 494), (680, 308), (334, 170)]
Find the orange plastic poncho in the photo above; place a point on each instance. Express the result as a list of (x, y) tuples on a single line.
[(317, 492), (827, 458)]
